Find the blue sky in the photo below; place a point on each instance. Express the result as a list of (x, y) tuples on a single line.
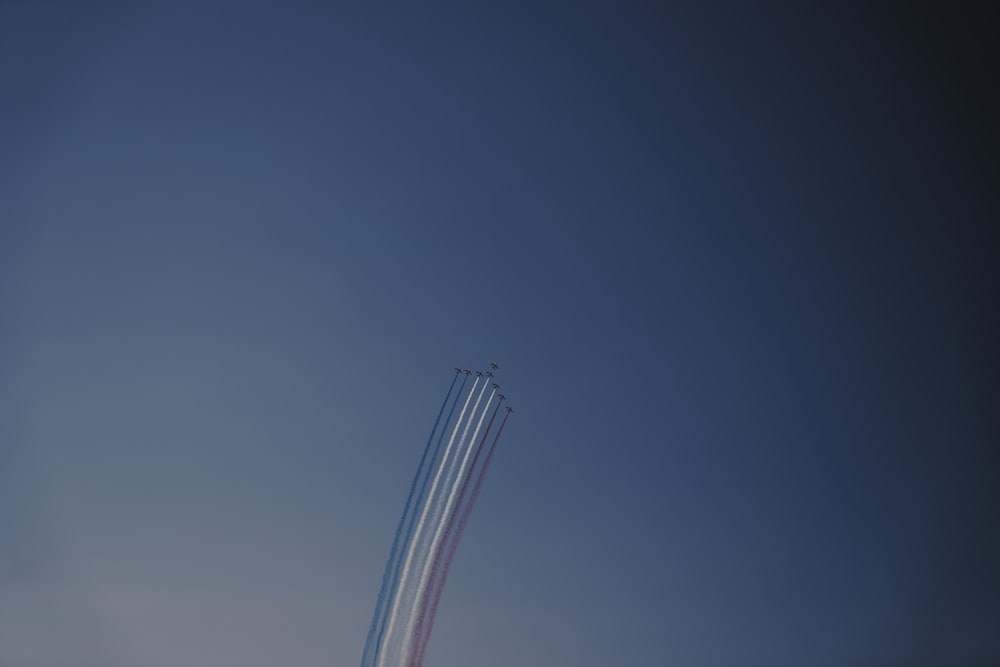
[(735, 265)]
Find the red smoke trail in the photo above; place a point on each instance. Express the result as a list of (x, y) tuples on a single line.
[(431, 610)]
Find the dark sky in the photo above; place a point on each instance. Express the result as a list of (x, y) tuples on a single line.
[(737, 264)]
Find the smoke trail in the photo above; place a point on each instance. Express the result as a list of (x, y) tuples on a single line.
[(426, 539), (415, 535), (453, 546), (392, 565), (408, 562), (420, 541), (434, 582), (435, 540)]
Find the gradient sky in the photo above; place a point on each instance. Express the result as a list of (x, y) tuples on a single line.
[(736, 264)]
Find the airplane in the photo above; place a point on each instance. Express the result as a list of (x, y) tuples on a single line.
[(494, 366), (489, 374), (468, 372), (479, 374), (458, 370), (509, 409), (496, 386), (502, 397)]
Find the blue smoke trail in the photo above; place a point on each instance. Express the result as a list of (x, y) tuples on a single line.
[(390, 576)]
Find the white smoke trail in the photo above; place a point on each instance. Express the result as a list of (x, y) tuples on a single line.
[(416, 538), (442, 521)]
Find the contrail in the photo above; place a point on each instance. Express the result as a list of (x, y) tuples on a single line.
[(436, 581), (422, 543), (408, 562), (466, 511), (432, 523), (392, 566), (434, 543), (415, 546)]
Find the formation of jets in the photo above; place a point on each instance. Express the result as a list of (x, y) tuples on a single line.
[(489, 374)]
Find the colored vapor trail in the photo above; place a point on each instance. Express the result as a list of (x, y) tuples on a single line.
[(445, 488)]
